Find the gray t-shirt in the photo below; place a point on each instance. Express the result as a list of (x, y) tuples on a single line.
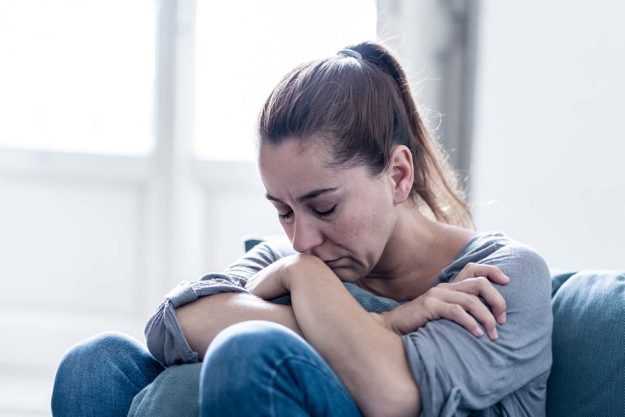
[(457, 373)]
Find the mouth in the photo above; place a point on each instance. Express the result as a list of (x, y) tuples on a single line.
[(334, 263)]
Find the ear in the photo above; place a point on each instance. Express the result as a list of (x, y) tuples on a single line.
[(401, 172)]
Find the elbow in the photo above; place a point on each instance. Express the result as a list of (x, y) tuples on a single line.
[(164, 339), (155, 334)]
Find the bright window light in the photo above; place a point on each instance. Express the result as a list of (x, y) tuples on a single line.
[(244, 48), (77, 75)]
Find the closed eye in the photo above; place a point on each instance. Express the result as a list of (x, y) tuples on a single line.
[(286, 215), (325, 213)]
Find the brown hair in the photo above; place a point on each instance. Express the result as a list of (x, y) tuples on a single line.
[(362, 106)]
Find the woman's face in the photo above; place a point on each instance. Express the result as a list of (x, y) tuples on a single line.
[(343, 216)]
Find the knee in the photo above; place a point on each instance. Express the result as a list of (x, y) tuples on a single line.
[(253, 339), (87, 364), (241, 360), (96, 350), (248, 347)]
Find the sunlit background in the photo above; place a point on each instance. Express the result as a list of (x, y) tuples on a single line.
[(127, 142)]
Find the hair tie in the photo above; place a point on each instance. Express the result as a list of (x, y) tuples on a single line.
[(350, 53)]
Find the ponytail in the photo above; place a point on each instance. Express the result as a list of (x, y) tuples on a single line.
[(361, 101)]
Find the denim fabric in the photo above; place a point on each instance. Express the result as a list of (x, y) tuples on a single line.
[(258, 368), (100, 376)]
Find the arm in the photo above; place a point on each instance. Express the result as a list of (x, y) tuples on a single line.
[(367, 357), (317, 286), (458, 372), (171, 341), (470, 300), (202, 319)]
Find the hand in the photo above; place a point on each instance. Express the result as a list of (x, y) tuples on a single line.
[(459, 301), (275, 279), (268, 283)]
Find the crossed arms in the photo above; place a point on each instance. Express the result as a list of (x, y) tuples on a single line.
[(364, 349)]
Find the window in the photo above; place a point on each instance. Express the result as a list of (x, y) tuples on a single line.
[(244, 48), (77, 75)]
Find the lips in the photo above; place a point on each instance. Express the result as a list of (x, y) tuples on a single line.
[(335, 263)]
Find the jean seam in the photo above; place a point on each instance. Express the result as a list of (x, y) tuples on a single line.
[(274, 374)]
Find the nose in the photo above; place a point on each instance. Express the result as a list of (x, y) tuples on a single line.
[(306, 235)]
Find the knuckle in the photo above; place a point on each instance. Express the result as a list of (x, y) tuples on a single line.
[(472, 266), (429, 302), (436, 291), (483, 283), (489, 321), (455, 310), (433, 290), (474, 303), (482, 280)]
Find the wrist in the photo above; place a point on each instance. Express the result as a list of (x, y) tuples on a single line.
[(392, 321), (384, 319)]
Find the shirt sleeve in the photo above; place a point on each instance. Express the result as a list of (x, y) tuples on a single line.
[(164, 336), (457, 372)]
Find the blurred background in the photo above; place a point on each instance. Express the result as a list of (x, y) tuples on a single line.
[(127, 142)]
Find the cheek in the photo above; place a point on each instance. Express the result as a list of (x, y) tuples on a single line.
[(361, 233), (374, 228)]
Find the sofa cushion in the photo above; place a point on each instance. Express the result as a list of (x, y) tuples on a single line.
[(588, 372), (174, 393)]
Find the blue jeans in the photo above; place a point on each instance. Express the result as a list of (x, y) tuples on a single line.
[(258, 368), (100, 376), (254, 368)]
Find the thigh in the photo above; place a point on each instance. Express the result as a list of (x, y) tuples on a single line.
[(101, 375), (260, 368)]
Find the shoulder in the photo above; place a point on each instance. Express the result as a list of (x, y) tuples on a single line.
[(527, 269), (516, 258), (455, 368), (500, 250)]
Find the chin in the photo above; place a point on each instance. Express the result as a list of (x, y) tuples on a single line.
[(346, 274)]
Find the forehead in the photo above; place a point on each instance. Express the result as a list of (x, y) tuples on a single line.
[(290, 169), (292, 158), (288, 149)]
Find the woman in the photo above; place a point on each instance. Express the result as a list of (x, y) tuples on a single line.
[(453, 322)]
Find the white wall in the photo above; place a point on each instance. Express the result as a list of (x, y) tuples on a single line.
[(93, 241), (90, 243), (548, 159)]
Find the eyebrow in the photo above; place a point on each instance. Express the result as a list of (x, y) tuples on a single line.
[(305, 197)]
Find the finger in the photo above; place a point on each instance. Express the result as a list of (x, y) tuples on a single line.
[(482, 287), (492, 272), (458, 314), (476, 308)]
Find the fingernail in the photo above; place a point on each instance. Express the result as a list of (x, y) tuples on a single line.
[(494, 335), (478, 332), (502, 318)]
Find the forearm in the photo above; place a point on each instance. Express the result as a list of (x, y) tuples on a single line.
[(368, 358), (202, 319)]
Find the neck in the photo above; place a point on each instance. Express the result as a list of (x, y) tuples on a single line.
[(417, 251)]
